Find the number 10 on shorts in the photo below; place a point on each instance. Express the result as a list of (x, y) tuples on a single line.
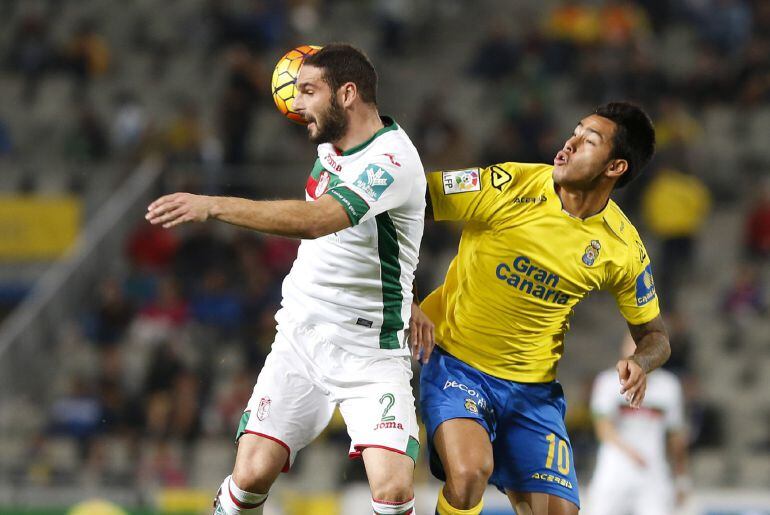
[(562, 461)]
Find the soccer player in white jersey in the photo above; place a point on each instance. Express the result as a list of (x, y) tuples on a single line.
[(632, 472), (342, 328)]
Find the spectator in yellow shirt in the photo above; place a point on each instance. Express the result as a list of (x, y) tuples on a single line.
[(674, 206)]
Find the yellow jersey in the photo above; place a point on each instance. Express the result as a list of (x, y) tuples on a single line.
[(523, 264)]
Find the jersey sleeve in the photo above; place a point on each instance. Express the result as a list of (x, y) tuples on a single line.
[(634, 287), (381, 186), (604, 396), (474, 194)]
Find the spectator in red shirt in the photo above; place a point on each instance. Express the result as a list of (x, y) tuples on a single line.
[(169, 308), (758, 225), (150, 248)]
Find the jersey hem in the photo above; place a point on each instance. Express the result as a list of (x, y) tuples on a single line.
[(528, 378)]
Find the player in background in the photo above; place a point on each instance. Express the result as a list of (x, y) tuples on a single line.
[(537, 239), (632, 472), (341, 335)]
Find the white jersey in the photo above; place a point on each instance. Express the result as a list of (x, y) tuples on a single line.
[(619, 485), (355, 286), (644, 428)]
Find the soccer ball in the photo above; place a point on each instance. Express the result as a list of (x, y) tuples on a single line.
[(284, 84)]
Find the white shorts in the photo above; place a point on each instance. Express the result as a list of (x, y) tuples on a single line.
[(305, 377)]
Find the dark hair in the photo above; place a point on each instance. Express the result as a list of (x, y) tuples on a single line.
[(634, 138), (343, 63)]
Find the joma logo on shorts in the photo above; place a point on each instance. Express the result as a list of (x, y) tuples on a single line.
[(389, 425)]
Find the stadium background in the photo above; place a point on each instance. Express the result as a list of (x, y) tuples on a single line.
[(127, 352)]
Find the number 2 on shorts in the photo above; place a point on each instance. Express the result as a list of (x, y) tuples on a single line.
[(389, 400), (562, 463)]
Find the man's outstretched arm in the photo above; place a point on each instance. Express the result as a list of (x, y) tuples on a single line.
[(652, 350), (291, 218)]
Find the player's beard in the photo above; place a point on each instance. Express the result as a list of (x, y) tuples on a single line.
[(332, 125)]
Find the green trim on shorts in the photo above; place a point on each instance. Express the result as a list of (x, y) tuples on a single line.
[(413, 448), (242, 425)]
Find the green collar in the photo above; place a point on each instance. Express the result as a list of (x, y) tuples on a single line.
[(390, 125)]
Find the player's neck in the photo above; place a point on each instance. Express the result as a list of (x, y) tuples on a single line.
[(582, 203), (363, 125)]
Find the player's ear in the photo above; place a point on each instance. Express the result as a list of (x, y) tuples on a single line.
[(348, 93), (617, 167)]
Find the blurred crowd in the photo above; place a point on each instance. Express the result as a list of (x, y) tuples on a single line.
[(169, 349)]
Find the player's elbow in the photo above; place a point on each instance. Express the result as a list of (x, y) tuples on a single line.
[(323, 217), (309, 231), (315, 228), (666, 350)]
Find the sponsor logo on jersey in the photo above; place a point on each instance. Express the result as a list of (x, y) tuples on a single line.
[(646, 411), (645, 286), (480, 401), (531, 279), (499, 178), (592, 252), (470, 405), (336, 166), (461, 181), (374, 181), (264, 408), (529, 200)]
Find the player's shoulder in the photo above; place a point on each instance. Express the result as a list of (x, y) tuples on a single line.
[(513, 176), (522, 171), (395, 150), (621, 226)]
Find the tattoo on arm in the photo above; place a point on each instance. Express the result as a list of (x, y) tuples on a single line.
[(652, 346)]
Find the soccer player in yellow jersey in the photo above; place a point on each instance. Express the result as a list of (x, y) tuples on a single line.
[(538, 238)]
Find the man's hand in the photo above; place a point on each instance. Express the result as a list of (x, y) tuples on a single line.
[(633, 381), (179, 208), (421, 334)]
